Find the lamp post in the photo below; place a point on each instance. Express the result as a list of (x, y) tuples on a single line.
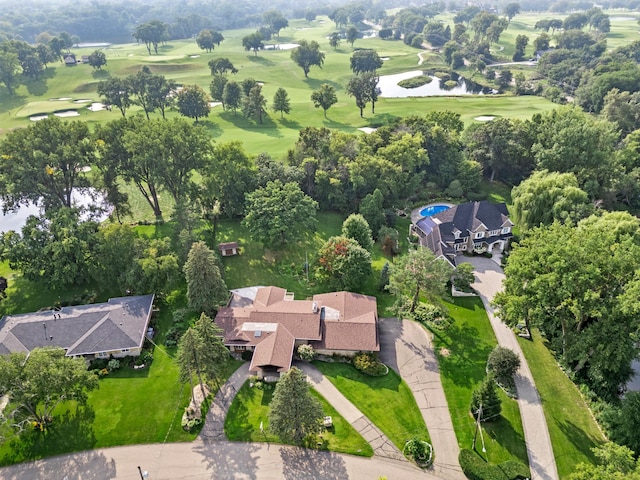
[(143, 475)]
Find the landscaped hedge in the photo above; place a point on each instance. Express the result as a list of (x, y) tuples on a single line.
[(368, 363), (475, 468)]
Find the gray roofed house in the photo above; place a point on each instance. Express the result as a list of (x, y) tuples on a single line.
[(474, 227), (114, 328)]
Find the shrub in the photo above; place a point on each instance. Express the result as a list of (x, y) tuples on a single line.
[(419, 451), (455, 187), (476, 196), (463, 276), (367, 362), (431, 315), (98, 363), (503, 363), (247, 355), (306, 352), (113, 365)]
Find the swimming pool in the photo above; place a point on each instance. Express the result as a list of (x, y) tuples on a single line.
[(433, 209)]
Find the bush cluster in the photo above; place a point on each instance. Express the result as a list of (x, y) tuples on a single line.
[(475, 468), (369, 363), (433, 316)]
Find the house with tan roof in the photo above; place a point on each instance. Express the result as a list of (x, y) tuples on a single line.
[(269, 322)]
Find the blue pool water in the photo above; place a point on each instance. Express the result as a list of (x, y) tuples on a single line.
[(432, 210)]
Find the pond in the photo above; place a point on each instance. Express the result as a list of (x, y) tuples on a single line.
[(389, 87), (16, 220)]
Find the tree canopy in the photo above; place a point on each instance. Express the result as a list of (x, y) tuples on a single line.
[(206, 289), (325, 97), (192, 102), (344, 263), (279, 212), (365, 60), (307, 55)]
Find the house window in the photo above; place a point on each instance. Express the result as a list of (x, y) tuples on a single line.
[(239, 347), (479, 235), (464, 247), (506, 230), (456, 234), (493, 233), (124, 350), (102, 354)]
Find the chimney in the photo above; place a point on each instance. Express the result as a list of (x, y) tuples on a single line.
[(314, 308)]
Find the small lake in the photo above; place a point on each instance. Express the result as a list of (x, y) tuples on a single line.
[(634, 383), (389, 87), (16, 220)]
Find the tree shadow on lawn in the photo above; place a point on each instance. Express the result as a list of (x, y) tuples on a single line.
[(382, 119), (579, 439), (311, 464), (99, 74), (465, 363), (38, 86), (260, 60), (268, 126), (501, 431), (237, 426), (290, 123), (91, 465), (69, 432), (316, 83)]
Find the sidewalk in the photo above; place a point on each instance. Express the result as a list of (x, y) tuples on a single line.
[(382, 446)]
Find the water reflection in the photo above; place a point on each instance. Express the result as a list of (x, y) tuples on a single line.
[(389, 87)]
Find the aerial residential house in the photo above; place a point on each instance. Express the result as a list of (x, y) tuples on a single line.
[(228, 249), (469, 227), (70, 60), (272, 324), (115, 328)]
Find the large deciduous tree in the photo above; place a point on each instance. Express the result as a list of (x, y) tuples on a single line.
[(55, 248), (97, 59), (294, 413), (152, 34), (221, 66), (281, 102), (365, 60), (206, 289), (325, 97), (39, 382), (578, 285), (43, 164), (253, 42), (307, 55), (359, 90), (116, 91), (9, 69), (192, 102), (419, 272), (545, 197), (205, 40), (344, 263), (615, 462), (253, 104), (356, 227), (279, 212), (275, 21)]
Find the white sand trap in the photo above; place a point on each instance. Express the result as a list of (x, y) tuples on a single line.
[(282, 46), (214, 104), (85, 169), (384, 59), (194, 56), (83, 100), (367, 130), (61, 99), (37, 118), (130, 55), (96, 107), (484, 118), (68, 113)]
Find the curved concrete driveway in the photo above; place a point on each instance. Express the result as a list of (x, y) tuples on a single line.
[(405, 347), (489, 277)]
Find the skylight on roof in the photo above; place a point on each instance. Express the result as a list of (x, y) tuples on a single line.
[(257, 333)]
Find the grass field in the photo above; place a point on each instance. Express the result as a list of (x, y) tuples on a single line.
[(468, 342), (387, 401), (250, 408), (572, 428)]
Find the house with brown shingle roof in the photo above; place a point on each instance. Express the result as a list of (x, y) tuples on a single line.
[(272, 324)]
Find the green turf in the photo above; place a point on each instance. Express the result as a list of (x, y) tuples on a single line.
[(387, 401), (571, 425), (251, 407), (468, 342)]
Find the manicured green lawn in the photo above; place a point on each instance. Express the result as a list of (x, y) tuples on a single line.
[(572, 428), (251, 407), (468, 342), (387, 401)]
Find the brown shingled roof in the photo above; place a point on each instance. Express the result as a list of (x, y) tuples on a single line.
[(276, 350), (350, 305), (269, 295)]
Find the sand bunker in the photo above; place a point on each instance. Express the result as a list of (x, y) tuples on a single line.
[(194, 56), (282, 46), (484, 118), (37, 118), (384, 59), (96, 107), (367, 129), (61, 99), (67, 113), (214, 104), (83, 100)]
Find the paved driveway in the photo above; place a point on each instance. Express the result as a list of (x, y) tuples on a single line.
[(407, 349), (489, 277)]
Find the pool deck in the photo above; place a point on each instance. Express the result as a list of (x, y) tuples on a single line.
[(415, 213)]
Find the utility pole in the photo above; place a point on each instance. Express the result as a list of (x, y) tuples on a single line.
[(475, 435)]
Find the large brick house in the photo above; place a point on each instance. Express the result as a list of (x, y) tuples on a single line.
[(269, 322), (469, 227)]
